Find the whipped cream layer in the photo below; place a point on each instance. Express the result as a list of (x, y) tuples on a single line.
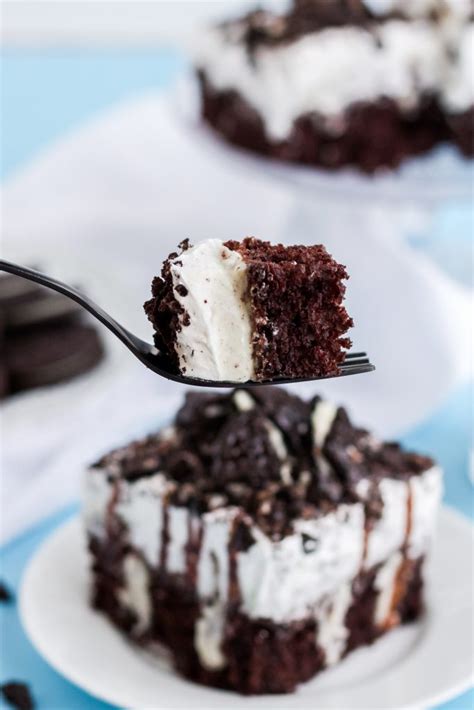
[(214, 340), (326, 72), (458, 93)]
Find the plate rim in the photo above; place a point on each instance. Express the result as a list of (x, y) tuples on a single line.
[(451, 516)]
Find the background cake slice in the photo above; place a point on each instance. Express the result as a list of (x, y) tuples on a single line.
[(251, 310), (260, 538), (336, 83)]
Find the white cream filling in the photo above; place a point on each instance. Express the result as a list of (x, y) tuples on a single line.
[(388, 533), (96, 493), (208, 634), (322, 419), (385, 583), (213, 585), (140, 506), (213, 565), (426, 494), (178, 531), (216, 344), (331, 617), (277, 442), (458, 94), (326, 71), (135, 592), (243, 401), (280, 581)]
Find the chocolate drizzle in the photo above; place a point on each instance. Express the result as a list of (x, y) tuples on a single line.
[(165, 534)]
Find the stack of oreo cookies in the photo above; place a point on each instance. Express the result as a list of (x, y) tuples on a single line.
[(43, 337)]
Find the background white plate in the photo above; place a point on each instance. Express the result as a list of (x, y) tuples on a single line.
[(417, 666)]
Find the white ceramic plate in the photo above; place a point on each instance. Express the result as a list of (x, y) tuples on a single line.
[(417, 666)]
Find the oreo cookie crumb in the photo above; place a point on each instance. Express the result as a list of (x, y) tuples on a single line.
[(17, 695), (5, 594)]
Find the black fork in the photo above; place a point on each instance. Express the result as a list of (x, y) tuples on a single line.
[(150, 356)]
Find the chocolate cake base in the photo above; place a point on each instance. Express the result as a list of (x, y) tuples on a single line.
[(262, 656), (297, 308), (373, 136)]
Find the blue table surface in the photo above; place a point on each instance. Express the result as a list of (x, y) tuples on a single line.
[(45, 94)]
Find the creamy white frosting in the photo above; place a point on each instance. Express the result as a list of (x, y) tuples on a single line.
[(322, 419), (135, 592), (243, 401), (212, 586), (96, 491), (208, 634), (458, 94), (280, 581), (216, 344), (413, 60), (331, 617), (213, 566), (178, 532), (426, 493), (388, 533), (385, 584), (140, 507), (277, 442)]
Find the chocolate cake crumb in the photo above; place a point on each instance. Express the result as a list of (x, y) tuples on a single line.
[(5, 593), (17, 694)]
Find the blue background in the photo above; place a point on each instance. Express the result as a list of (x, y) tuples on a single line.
[(45, 94)]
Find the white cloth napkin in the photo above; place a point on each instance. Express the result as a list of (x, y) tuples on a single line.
[(105, 205)]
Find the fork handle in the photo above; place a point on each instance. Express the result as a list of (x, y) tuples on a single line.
[(130, 340)]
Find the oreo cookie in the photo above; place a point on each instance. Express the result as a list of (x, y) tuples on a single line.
[(44, 337)]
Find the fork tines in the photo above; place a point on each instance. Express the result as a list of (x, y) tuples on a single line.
[(355, 363)]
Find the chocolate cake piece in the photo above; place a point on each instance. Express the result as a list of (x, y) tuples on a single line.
[(251, 310), (44, 337), (342, 83), (259, 538)]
